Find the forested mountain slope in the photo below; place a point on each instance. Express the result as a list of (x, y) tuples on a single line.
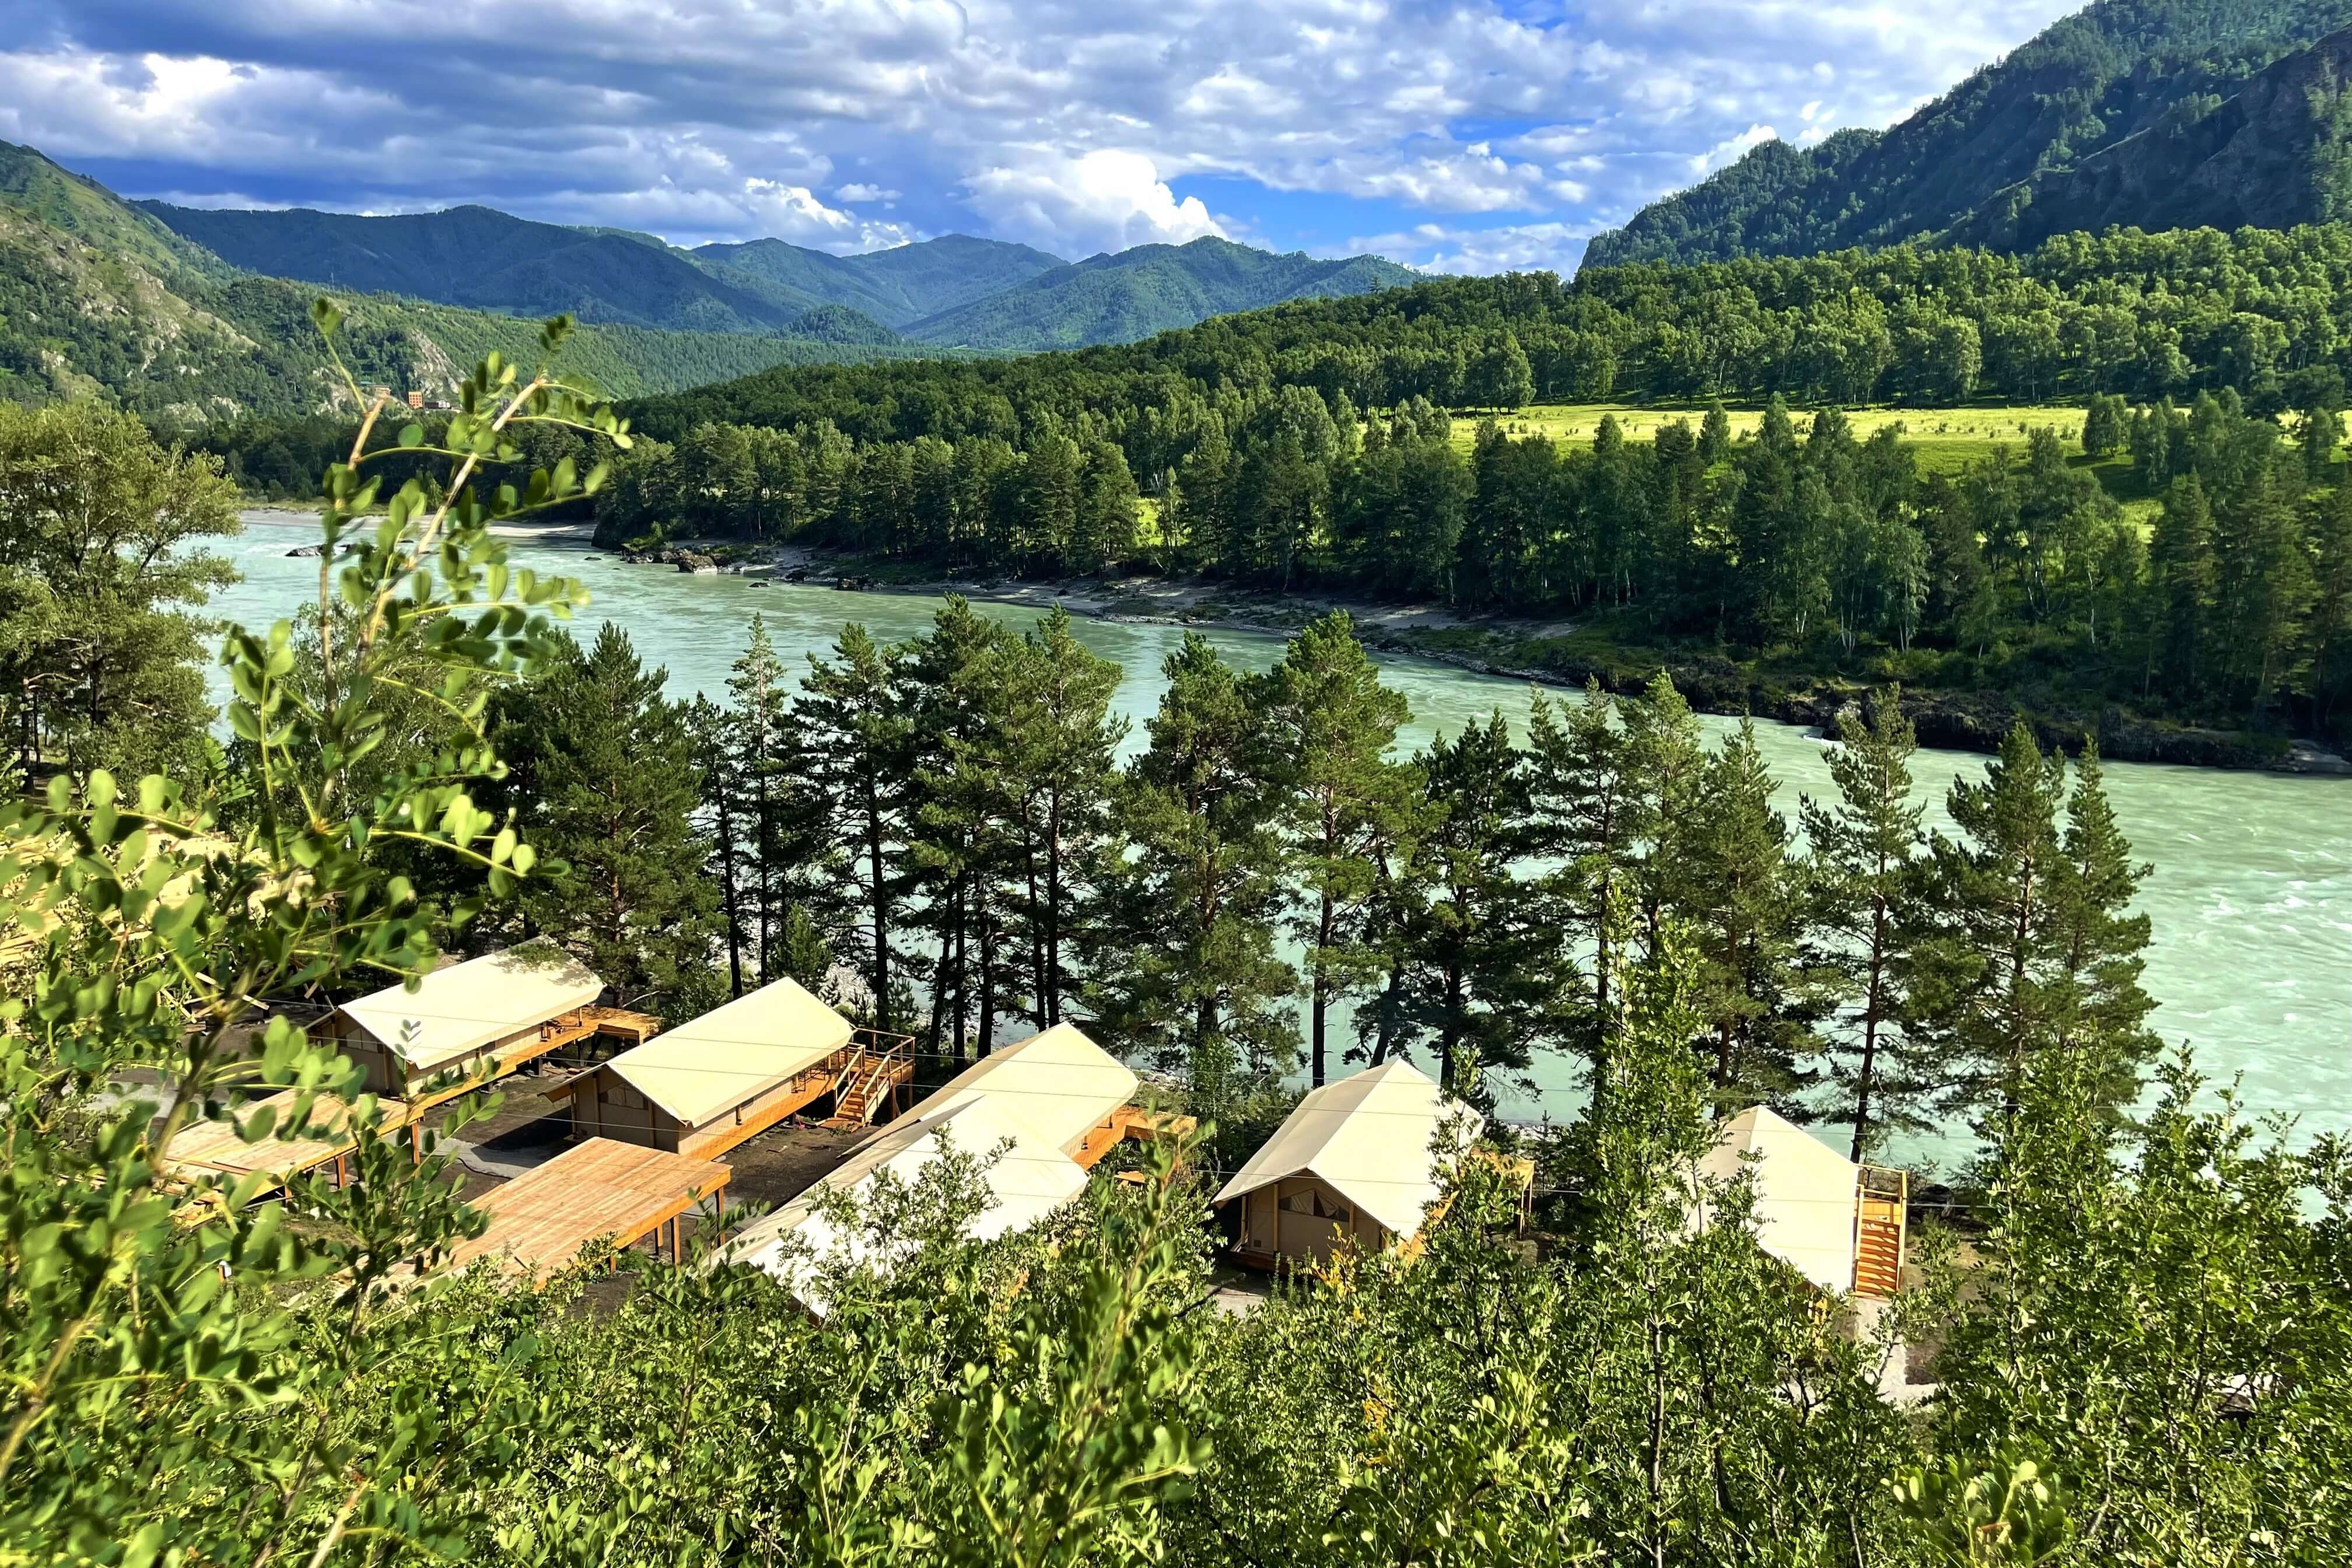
[(1117, 299), (484, 260), (2277, 153), (896, 287), (98, 299), (2112, 71)]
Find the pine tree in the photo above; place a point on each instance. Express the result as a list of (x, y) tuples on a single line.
[(101, 570), (732, 867), (2262, 590), (1346, 804), (1868, 856), (1061, 742), (1982, 1001), (2097, 1007), (603, 776), (1743, 899), (1483, 983), (954, 687), (758, 767), (2181, 575), (1668, 757), (2328, 630), (1190, 972), (1715, 434), (860, 749), (1587, 788)]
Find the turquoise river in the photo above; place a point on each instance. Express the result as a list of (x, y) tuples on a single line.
[(2252, 896)]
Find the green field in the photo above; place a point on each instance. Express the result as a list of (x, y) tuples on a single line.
[(1947, 439), (1945, 436)]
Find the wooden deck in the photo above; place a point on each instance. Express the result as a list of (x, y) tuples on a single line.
[(566, 1029), (600, 1189), (214, 1147), (1130, 1122), (799, 1091)]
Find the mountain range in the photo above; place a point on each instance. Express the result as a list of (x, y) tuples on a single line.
[(955, 291), (191, 315), (2140, 113)]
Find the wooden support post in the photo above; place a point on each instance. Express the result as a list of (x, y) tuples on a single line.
[(342, 1181)]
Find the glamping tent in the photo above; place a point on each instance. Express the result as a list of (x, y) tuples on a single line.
[(495, 1012), (1357, 1161), (1838, 1223), (1052, 1104), (706, 1086), (1065, 1090), (1028, 1180)]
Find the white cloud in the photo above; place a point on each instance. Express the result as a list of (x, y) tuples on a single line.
[(1071, 123), (1103, 200), (1514, 248), (1730, 150)]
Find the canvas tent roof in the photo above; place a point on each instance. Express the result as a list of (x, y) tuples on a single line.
[(462, 1007), (1804, 1194), (1029, 1180), (1370, 1138), (1057, 1085), (700, 1071)]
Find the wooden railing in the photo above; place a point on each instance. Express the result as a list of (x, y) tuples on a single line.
[(872, 1065)]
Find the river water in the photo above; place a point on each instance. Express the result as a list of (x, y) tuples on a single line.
[(2251, 897)]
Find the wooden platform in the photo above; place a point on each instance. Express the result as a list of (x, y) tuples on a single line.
[(799, 1092), (600, 1189), (214, 1147), (1130, 1122), (566, 1029)]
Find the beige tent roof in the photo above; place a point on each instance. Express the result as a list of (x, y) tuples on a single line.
[(699, 1071), (462, 1007), (1058, 1085), (1030, 1180), (1804, 1194), (1370, 1137)]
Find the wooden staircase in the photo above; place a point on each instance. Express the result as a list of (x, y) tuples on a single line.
[(1881, 1201), (870, 1075)]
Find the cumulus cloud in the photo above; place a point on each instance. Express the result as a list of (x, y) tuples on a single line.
[(1731, 149), (1104, 200), (848, 124), (1508, 247)]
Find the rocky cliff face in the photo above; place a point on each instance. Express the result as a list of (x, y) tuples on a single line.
[(2276, 153)]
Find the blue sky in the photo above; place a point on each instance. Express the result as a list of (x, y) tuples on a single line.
[(1474, 136)]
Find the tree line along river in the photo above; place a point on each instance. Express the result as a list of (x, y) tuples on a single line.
[(2251, 895)]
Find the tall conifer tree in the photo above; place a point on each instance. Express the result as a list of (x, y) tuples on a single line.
[(1983, 1000), (1588, 798), (1347, 804), (603, 776), (1191, 972), (859, 744), (1061, 742), (1868, 855), (1743, 898)]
